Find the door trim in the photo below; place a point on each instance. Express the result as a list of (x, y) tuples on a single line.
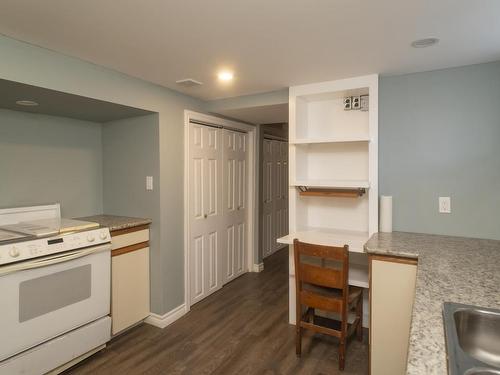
[(251, 191)]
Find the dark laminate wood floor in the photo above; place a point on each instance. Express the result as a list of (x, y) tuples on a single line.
[(241, 329)]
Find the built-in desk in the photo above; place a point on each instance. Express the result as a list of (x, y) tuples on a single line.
[(358, 259)]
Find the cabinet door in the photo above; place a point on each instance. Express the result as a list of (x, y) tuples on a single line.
[(392, 292), (130, 288)]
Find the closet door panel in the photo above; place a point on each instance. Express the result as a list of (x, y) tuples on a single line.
[(205, 192), (267, 198), (235, 177), (274, 194)]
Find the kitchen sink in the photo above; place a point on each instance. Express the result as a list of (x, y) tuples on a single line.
[(478, 334), (482, 371), (472, 339)]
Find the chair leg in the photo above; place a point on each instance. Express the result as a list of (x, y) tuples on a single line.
[(298, 330), (298, 341), (359, 311), (342, 355), (343, 339)]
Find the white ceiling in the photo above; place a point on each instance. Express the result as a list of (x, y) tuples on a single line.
[(270, 44)]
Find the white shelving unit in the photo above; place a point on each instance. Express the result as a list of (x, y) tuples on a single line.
[(332, 151)]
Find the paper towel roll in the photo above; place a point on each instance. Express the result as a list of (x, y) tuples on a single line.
[(385, 224)]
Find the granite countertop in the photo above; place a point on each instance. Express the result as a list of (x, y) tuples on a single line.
[(450, 269), (116, 222)]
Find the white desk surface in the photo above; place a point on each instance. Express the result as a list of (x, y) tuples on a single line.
[(329, 237)]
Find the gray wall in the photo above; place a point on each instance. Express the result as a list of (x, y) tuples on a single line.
[(439, 135), (37, 66), (130, 153), (47, 159)]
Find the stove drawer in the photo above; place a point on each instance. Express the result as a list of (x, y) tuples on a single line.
[(59, 351)]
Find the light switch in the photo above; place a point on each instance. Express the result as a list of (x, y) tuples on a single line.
[(149, 182), (444, 205)]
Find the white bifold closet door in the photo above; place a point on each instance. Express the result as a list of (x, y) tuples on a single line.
[(217, 208), (205, 197), (234, 204), (274, 194), (267, 198)]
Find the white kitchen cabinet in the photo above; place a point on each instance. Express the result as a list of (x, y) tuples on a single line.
[(392, 291), (130, 277)]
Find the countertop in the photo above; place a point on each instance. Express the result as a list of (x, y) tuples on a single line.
[(450, 269), (116, 222)]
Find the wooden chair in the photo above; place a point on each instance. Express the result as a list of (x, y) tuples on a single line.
[(321, 280)]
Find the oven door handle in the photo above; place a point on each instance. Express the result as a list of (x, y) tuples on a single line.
[(53, 259)]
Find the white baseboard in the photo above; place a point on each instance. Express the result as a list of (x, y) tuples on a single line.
[(258, 267), (161, 321)]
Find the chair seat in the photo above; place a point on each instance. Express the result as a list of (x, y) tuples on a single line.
[(354, 292)]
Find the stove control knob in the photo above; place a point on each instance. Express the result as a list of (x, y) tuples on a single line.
[(104, 235), (90, 238), (14, 252)]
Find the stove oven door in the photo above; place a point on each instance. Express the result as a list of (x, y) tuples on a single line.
[(43, 298)]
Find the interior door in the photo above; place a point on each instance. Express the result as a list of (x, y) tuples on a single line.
[(274, 194), (267, 198), (282, 201), (277, 194), (234, 204), (205, 176)]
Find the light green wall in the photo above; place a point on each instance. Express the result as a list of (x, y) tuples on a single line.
[(48, 159), (26, 63), (130, 153), (439, 135)]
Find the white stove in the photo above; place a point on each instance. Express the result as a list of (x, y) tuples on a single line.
[(55, 277)]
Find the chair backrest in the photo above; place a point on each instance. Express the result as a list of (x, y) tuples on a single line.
[(317, 272)]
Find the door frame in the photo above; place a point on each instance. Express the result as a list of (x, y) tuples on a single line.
[(252, 190)]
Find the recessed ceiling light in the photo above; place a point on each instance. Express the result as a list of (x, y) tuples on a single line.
[(422, 43), (27, 103), (225, 76)]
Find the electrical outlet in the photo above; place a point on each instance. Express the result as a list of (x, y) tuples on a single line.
[(444, 205), (355, 102), (149, 182), (347, 103)]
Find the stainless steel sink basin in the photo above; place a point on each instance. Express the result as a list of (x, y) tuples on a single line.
[(478, 334), (472, 339), (482, 371)]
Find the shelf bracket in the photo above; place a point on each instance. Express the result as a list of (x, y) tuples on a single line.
[(331, 192)]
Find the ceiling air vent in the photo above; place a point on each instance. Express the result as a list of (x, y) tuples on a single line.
[(189, 82)]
